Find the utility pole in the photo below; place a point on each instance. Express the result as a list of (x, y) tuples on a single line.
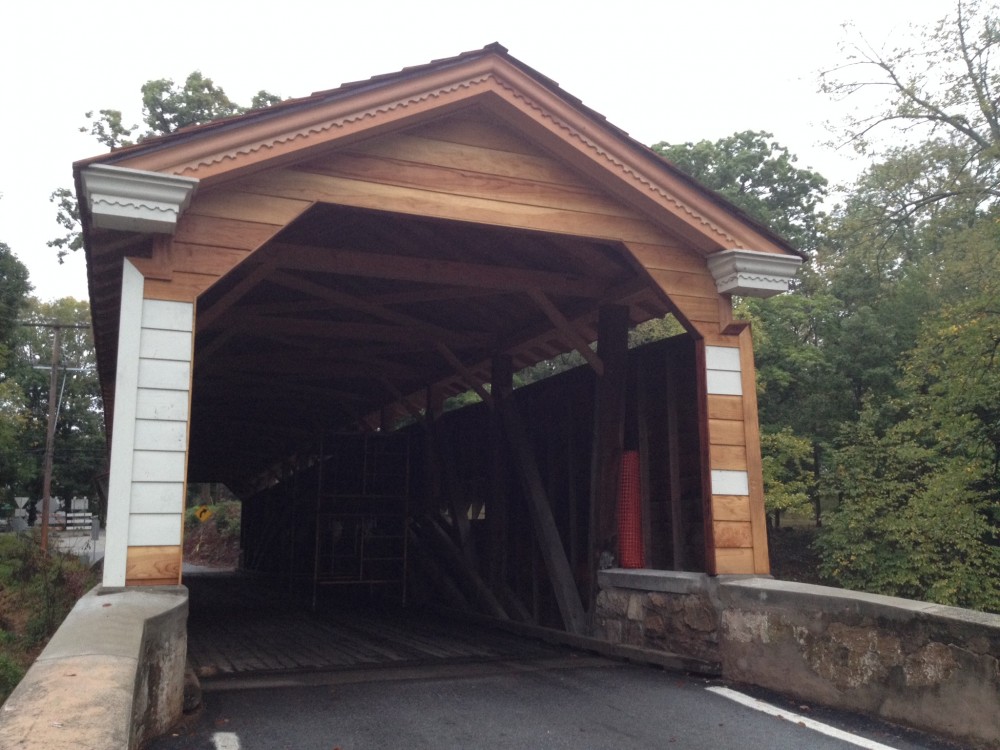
[(50, 439), (50, 432)]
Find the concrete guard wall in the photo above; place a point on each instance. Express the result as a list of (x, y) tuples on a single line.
[(111, 677), (926, 666)]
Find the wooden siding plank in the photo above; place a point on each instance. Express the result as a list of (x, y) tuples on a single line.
[(160, 435), (183, 287), (157, 344), (724, 383), (153, 565), (241, 205), (496, 159), (153, 403), (725, 407), (164, 374), (669, 256), (167, 316), (205, 259), (323, 188), (476, 131), (733, 561), (731, 508), (695, 309), (154, 529), (729, 534), (688, 284), (216, 232), (466, 182), (157, 497), (726, 432), (728, 457), (158, 466)]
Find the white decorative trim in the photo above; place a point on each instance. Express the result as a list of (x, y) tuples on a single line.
[(123, 432), (751, 273), (134, 200)]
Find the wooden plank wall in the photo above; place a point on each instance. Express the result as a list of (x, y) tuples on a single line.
[(736, 504)]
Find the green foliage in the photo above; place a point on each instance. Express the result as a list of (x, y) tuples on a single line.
[(225, 517), (936, 99), (758, 175), (14, 290), (788, 472), (911, 521), (10, 675), (24, 404), (37, 591), (68, 217)]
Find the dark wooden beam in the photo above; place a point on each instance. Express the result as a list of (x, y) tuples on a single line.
[(346, 262), (609, 426), (497, 511), (549, 542)]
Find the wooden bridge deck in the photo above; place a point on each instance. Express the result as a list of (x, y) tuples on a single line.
[(238, 627)]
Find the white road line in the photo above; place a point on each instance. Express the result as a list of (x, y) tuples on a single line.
[(226, 741), (816, 726)]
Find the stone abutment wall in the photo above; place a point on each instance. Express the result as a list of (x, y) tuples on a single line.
[(924, 665)]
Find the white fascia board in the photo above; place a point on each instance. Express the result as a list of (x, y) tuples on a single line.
[(134, 200), (751, 273)]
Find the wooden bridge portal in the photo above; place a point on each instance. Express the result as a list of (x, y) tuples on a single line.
[(285, 301)]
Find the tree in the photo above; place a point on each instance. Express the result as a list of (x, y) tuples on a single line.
[(79, 441), (165, 108), (939, 99), (14, 290), (759, 175)]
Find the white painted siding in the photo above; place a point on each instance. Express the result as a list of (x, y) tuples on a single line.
[(724, 377), (151, 434), (725, 482), (152, 403), (158, 404), (154, 529), (157, 497)]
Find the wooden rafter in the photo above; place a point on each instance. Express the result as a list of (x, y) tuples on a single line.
[(572, 336), (428, 330), (429, 271), (207, 317)]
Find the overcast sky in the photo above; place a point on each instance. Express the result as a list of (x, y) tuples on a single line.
[(673, 71)]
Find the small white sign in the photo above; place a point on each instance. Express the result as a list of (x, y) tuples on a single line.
[(21, 501)]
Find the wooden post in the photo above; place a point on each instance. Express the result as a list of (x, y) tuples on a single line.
[(497, 510), (549, 541), (677, 530), (609, 421)]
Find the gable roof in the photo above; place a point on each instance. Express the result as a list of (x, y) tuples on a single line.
[(313, 224)]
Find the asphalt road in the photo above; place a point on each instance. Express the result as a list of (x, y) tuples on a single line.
[(576, 702)]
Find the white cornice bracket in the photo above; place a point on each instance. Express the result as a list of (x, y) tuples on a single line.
[(134, 200), (750, 273)]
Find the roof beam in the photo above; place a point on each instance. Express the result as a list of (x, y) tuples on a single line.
[(569, 332), (429, 271), (429, 330)]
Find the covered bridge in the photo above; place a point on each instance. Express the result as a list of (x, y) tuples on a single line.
[(284, 301)]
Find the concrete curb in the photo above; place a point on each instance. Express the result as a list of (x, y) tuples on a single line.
[(111, 677)]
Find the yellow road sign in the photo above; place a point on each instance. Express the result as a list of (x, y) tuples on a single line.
[(203, 513)]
